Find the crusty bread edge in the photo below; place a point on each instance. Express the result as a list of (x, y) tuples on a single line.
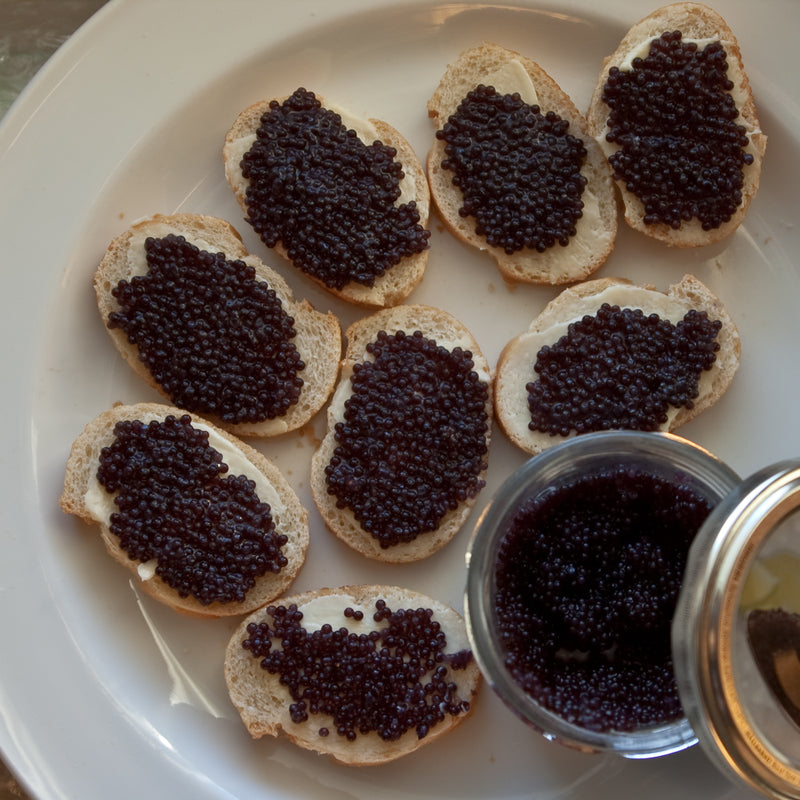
[(83, 461)]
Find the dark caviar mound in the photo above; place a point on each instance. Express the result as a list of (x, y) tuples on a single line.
[(215, 339), (587, 581), (620, 369), (518, 170), (211, 534), (674, 119), (388, 681), (326, 196), (413, 441)]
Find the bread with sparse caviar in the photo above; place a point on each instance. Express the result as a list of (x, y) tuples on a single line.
[(595, 231), (87, 498), (317, 335), (704, 25), (398, 281), (515, 367), (264, 702), (399, 456)]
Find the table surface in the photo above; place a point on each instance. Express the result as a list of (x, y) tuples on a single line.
[(30, 32)]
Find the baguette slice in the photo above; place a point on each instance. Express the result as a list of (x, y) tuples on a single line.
[(447, 332), (263, 702), (318, 336), (85, 497), (515, 365), (699, 22), (397, 283), (597, 228)]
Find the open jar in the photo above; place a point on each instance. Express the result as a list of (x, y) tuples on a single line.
[(580, 626)]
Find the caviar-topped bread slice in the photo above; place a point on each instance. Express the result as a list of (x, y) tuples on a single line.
[(344, 199), (515, 172), (608, 354), (206, 524), (363, 674), (214, 329), (674, 112), (406, 451)]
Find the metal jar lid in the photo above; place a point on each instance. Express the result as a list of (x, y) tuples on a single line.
[(742, 561)]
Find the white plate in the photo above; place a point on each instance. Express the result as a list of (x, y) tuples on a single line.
[(102, 692)]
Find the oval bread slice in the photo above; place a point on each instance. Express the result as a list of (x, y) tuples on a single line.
[(86, 498), (448, 332), (263, 702), (517, 359), (397, 283), (699, 22), (596, 232), (318, 336)]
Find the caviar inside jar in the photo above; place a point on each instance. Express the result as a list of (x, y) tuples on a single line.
[(681, 150), (217, 340), (393, 679), (587, 579), (209, 532), (518, 170), (327, 197), (413, 441)]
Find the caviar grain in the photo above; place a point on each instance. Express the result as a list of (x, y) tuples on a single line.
[(620, 369), (587, 581), (209, 532), (326, 196), (519, 171), (395, 679), (217, 340), (413, 442), (682, 152)]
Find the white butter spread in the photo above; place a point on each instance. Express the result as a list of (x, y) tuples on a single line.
[(100, 503), (512, 78)]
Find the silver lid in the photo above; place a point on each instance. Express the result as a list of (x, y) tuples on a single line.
[(743, 559)]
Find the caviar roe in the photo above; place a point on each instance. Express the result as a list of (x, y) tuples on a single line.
[(393, 679), (217, 340), (209, 532), (326, 196), (587, 582), (674, 118), (413, 441), (620, 369), (519, 170)]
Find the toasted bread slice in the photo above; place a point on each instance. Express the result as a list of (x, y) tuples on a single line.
[(264, 702), (704, 25), (84, 496), (515, 367), (318, 337), (596, 230), (397, 282), (449, 334)]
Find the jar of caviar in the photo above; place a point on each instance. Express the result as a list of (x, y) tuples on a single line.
[(622, 588)]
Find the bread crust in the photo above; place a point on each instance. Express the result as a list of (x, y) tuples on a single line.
[(447, 332), (695, 21), (397, 283), (595, 237), (291, 519), (263, 703), (515, 364), (318, 336)]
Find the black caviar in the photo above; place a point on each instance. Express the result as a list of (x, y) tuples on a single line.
[(210, 533), (587, 580), (326, 196), (620, 369), (519, 171), (391, 680), (217, 340), (413, 441), (674, 119)]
